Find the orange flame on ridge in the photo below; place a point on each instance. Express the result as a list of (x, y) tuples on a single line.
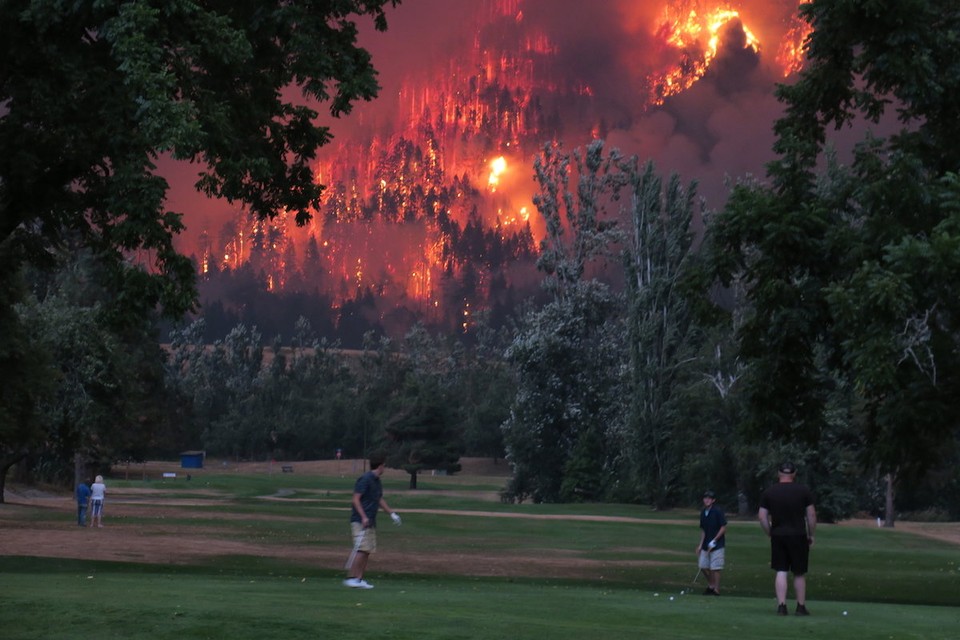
[(791, 54), (697, 36)]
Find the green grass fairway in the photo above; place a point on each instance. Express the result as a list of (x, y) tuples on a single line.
[(462, 566), (51, 599)]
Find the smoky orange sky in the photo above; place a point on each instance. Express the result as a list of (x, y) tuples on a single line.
[(718, 128)]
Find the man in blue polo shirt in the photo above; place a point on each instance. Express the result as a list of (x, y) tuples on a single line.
[(367, 500), (711, 550)]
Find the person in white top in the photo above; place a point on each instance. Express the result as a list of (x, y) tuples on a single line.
[(97, 492)]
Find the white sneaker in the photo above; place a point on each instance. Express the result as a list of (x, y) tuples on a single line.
[(357, 584)]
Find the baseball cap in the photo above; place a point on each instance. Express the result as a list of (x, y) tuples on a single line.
[(787, 467), (709, 494)]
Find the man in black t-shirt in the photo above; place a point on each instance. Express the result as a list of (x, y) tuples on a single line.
[(788, 516)]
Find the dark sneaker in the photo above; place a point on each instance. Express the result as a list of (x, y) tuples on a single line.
[(802, 610), (709, 592), (782, 609)]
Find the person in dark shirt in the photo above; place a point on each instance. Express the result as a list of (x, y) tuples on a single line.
[(711, 549), (367, 500), (787, 514)]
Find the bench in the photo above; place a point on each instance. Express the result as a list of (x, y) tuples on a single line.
[(167, 474), (287, 468)]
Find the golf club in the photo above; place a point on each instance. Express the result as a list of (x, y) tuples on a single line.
[(699, 571), (356, 548)]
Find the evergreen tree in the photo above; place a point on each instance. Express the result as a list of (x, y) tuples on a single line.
[(422, 433)]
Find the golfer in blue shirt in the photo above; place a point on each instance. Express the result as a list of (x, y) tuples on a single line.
[(710, 550)]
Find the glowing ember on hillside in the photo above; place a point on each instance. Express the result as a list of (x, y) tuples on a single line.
[(497, 168)]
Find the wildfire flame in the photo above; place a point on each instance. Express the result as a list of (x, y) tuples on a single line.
[(422, 183), (790, 56), (498, 167), (696, 34)]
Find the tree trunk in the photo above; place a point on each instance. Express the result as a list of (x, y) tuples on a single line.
[(5, 465), (889, 517), (79, 470), (413, 479)]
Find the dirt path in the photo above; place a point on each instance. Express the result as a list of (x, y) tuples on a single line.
[(157, 542)]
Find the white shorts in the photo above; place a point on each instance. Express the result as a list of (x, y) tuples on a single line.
[(712, 560)]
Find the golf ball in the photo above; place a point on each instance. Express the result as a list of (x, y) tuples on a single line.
[(671, 597), (844, 613)]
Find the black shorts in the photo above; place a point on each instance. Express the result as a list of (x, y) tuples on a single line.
[(789, 553)]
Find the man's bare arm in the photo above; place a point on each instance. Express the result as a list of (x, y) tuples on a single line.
[(764, 517), (811, 523)]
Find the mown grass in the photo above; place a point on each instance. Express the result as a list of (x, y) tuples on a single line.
[(52, 599), (891, 583)]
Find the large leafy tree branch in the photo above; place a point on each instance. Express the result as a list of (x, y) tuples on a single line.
[(91, 93)]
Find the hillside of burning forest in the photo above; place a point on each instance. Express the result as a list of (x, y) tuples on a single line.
[(427, 213)]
